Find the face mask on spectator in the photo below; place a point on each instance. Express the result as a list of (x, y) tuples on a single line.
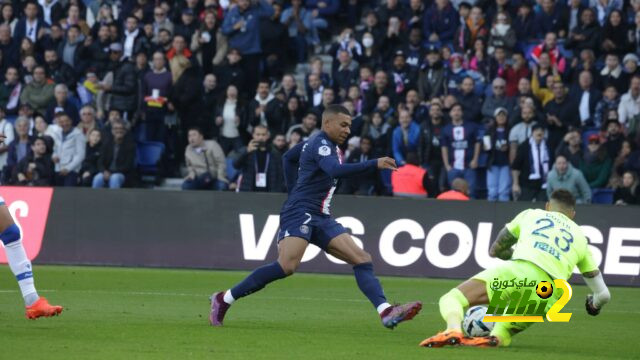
[(367, 42), (502, 28)]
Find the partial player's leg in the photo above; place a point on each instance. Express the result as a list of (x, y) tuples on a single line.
[(344, 248), (290, 252), (21, 267)]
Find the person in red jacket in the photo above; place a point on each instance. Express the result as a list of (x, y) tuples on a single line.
[(410, 180), (459, 191)]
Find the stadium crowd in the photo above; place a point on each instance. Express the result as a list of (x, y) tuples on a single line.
[(517, 98)]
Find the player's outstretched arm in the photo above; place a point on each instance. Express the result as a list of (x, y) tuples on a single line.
[(290, 162), (502, 246), (333, 168), (600, 295)]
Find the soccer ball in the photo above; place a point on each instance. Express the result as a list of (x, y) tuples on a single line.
[(544, 289), (472, 324)]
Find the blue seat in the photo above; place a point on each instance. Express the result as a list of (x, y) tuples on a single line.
[(602, 196), (148, 155), (232, 172)]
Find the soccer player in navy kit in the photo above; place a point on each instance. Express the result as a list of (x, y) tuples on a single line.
[(305, 219)]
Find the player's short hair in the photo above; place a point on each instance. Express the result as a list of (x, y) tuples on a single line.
[(564, 198), (335, 109)]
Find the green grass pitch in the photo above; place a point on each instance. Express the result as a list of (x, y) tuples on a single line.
[(121, 313)]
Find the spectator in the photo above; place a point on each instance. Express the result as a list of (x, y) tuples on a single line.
[(206, 165), (596, 164), (346, 74), (231, 119), (18, 149), (497, 100), (587, 97), (273, 34), (261, 166), (187, 25), (627, 193), (68, 151), (116, 164), (459, 191), (380, 88), (156, 90), (629, 106), (431, 81), (231, 72), (124, 89), (8, 16), (62, 103), (280, 143), (613, 74), (565, 176), (429, 150), (301, 29), (30, 26), (410, 180), (328, 98), (460, 144), (440, 22), (552, 18), (88, 121), (530, 168), (98, 51), (257, 109), (586, 35), (472, 29), (10, 91), (39, 92), (514, 75), (363, 184), (73, 50), (562, 114), (134, 40), (307, 128), (89, 167), (502, 34), (405, 137), (6, 128), (497, 145), (615, 34), (161, 21), (549, 47), (571, 148), (609, 101), (241, 25), (613, 138), (36, 168), (470, 102), (208, 43), (58, 71), (525, 22)]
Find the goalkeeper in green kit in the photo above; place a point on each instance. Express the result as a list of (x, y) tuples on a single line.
[(548, 246)]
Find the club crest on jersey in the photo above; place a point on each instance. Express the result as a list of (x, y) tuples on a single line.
[(304, 229), (324, 150)]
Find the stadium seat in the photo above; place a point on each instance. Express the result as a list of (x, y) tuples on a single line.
[(148, 156), (602, 196)]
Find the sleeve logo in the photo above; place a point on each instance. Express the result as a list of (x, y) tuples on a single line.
[(324, 150)]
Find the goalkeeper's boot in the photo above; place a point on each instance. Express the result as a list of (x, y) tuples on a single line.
[(42, 308), (448, 337), (396, 314), (482, 341), (218, 309)]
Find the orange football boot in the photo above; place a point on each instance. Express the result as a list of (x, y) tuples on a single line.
[(42, 308), (443, 338)]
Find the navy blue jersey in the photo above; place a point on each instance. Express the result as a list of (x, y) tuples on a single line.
[(460, 140), (320, 165)]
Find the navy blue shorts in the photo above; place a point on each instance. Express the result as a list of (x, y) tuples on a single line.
[(317, 230)]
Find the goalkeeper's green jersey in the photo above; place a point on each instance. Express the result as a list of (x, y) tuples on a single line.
[(552, 241)]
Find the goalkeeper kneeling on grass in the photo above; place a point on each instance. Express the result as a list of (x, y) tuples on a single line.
[(549, 245)]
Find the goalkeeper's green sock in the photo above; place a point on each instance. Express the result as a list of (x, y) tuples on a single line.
[(452, 307)]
